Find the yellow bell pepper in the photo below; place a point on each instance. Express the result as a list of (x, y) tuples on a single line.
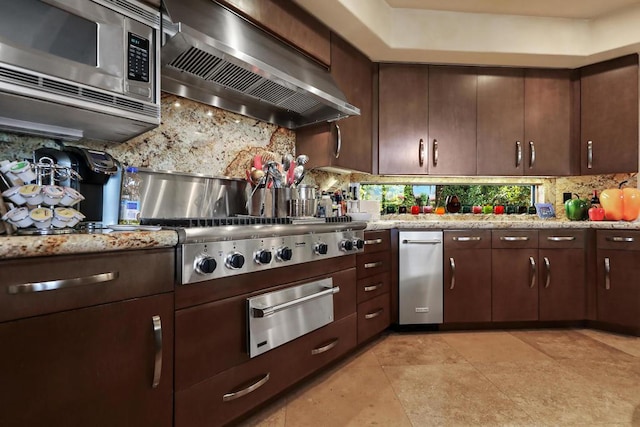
[(621, 203)]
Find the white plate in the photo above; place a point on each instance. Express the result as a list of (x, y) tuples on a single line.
[(359, 216), (123, 227), (149, 228)]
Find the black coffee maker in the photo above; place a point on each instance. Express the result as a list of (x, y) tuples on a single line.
[(100, 184)]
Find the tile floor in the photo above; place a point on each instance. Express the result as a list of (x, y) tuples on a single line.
[(567, 377)]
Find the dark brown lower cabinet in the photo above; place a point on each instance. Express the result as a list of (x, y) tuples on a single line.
[(373, 317), (89, 367)]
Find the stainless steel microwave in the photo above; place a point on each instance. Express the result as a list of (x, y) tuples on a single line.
[(93, 55)]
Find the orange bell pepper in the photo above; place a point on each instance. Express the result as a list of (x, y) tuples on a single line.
[(621, 203)]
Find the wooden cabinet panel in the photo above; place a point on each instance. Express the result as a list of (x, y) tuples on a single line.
[(467, 239), (514, 284), (377, 241), (551, 143), (467, 285), (403, 119), (514, 239), (88, 367), (561, 284), (452, 120), (500, 121), (373, 317), (372, 264), (609, 116), (373, 286), (562, 239)]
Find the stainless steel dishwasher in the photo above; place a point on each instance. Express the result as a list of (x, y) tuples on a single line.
[(420, 277)]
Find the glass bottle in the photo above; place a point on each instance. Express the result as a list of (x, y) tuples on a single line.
[(130, 197)]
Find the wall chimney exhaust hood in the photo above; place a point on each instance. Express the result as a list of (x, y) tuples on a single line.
[(213, 56)]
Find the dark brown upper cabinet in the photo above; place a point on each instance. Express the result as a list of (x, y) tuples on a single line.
[(609, 116)]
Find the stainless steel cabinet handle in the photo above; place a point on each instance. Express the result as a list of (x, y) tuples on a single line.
[(452, 264), (373, 287), (325, 348), (421, 152), (589, 154), (514, 238), (547, 265), (561, 238), (338, 140), (466, 238), (607, 274), (435, 152), (421, 242), (253, 387), (532, 261), (157, 363), (620, 239), (374, 314), (518, 153), (373, 264), (268, 311), (532, 154), (63, 283), (373, 242)]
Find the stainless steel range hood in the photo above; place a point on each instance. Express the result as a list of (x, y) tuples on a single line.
[(213, 56)]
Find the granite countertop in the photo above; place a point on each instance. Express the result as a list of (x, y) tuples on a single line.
[(32, 246)]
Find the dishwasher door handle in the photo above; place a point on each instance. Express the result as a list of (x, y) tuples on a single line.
[(421, 242)]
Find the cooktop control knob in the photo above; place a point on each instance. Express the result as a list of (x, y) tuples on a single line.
[(205, 265), (346, 245), (321, 248), (285, 254), (263, 257), (235, 261), (358, 243)]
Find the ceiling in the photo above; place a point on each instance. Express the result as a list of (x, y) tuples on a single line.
[(538, 33)]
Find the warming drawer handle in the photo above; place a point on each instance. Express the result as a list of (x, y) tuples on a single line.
[(466, 238), (532, 262), (157, 363), (268, 311), (589, 154), (621, 239), (547, 265), (338, 140), (374, 314), (421, 242), (253, 387), (607, 274), (373, 242), (325, 348), (373, 264), (63, 283), (561, 238), (373, 287), (452, 263), (514, 238)]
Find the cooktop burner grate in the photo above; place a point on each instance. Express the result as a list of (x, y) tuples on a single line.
[(237, 220)]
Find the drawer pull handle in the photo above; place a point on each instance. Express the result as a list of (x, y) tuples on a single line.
[(373, 242), (253, 387), (61, 284), (373, 287), (607, 274), (373, 264), (466, 238), (621, 239), (421, 242), (268, 311), (561, 238), (514, 238), (532, 261), (374, 314), (547, 265), (157, 363), (325, 348), (452, 263)]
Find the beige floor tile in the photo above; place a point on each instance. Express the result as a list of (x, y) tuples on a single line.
[(555, 395), (271, 416), (489, 347), (415, 349), (452, 394), (628, 344)]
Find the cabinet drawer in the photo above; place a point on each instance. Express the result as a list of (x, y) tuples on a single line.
[(507, 239), (34, 286), (372, 264), (373, 286), (467, 239), (570, 239), (618, 239), (373, 317), (377, 241)]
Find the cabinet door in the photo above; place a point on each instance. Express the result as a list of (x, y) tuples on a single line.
[(550, 144), (514, 284), (617, 287), (562, 290), (609, 116), (373, 317), (467, 285), (500, 121), (89, 367), (403, 119), (452, 120)]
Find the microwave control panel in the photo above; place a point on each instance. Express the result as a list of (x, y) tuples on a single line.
[(138, 58)]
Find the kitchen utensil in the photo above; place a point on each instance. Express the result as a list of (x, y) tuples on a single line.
[(257, 162), (298, 174), (256, 175), (287, 160), (268, 156), (302, 159)]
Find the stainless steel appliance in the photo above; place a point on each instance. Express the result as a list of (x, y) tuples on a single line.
[(213, 56), (79, 68), (420, 277)]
